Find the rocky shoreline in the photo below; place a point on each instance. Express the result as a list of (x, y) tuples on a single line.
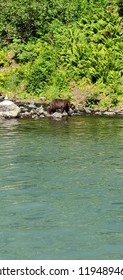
[(37, 110)]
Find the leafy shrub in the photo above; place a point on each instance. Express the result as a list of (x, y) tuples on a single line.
[(58, 41), (4, 61)]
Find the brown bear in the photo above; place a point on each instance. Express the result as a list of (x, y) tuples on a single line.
[(62, 104)]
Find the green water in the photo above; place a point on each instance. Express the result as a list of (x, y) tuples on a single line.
[(61, 188)]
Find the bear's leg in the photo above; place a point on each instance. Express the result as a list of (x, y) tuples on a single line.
[(66, 109)]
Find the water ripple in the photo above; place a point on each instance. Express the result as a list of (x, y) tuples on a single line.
[(61, 189)]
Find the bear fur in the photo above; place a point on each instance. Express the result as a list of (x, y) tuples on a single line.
[(62, 104)]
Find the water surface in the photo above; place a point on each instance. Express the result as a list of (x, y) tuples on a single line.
[(61, 188)]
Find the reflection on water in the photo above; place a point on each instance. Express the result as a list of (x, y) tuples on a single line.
[(61, 188)]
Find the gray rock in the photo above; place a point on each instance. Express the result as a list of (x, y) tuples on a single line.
[(8, 109), (32, 105), (25, 115), (57, 116), (87, 110), (99, 113), (40, 111), (109, 113)]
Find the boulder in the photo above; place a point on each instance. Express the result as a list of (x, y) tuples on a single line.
[(8, 109)]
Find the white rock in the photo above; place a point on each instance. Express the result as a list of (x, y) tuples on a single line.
[(8, 109)]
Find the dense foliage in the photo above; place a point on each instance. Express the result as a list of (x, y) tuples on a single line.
[(48, 44)]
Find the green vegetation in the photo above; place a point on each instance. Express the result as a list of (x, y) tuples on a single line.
[(58, 48)]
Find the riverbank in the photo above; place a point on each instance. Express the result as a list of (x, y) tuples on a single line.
[(39, 109)]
